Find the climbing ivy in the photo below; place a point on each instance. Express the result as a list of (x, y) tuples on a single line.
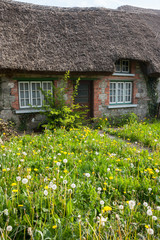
[(152, 83)]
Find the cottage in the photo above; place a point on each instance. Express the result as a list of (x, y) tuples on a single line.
[(116, 53)]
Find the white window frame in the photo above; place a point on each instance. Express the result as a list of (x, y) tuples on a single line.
[(30, 93), (121, 66), (124, 93)]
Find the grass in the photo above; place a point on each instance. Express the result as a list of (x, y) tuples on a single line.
[(146, 133), (78, 185)]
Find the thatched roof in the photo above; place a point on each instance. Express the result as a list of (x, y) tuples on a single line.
[(52, 39)]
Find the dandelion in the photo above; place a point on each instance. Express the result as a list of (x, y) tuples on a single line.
[(150, 231), (158, 208), (65, 181), (65, 160), (24, 180), (70, 191), (99, 189), (15, 190), (45, 192), (121, 207), (73, 185), (149, 212), (107, 209), (58, 164), (29, 177), (6, 212), (13, 184), (18, 178), (154, 218), (9, 228), (102, 202), (54, 186), (87, 175), (145, 204), (132, 204), (108, 169), (54, 227), (149, 189)]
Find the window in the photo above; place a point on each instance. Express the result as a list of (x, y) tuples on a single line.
[(30, 93), (120, 92), (122, 66)]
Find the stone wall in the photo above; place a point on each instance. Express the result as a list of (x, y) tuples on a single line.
[(140, 96), (9, 102)]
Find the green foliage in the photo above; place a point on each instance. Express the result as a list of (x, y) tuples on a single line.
[(115, 121), (152, 88), (55, 186), (59, 112)]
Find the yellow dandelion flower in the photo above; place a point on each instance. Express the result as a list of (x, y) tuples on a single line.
[(13, 184), (35, 169), (4, 170), (111, 178), (20, 205), (65, 171), (54, 227), (107, 209), (14, 190)]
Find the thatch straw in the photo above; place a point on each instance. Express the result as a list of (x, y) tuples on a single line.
[(39, 38)]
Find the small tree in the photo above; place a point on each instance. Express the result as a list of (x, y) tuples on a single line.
[(59, 113)]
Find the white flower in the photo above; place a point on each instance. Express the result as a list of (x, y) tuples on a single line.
[(102, 202), (54, 186), (24, 180), (96, 153), (154, 218), (58, 164), (5, 212), (24, 153), (150, 231), (45, 192), (132, 165), (18, 178), (65, 160), (157, 171), (29, 177), (61, 176), (87, 175), (108, 169), (59, 154), (65, 181), (73, 185), (102, 220), (70, 191), (158, 208), (121, 207), (9, 228), (99, 189), (149, 212), (132, 203), (22, 160), (8, 169), (149, 189), (145, 204), (149, 207)]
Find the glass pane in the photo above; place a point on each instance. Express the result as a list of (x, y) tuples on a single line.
[(33, 86), (22, 94), (38, 102), (38, 94), (21, 86), (49, 86), (26, 94), (27, 102), (22, 102), (38, 86), (33, 94), (26, 86), (45, 86), (34, 102)]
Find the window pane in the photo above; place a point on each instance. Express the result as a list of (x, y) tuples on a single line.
[(118, 66), (22, 102), (125, 66), (21, 86)]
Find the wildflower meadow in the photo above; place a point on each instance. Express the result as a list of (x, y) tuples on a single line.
[(80, 185)]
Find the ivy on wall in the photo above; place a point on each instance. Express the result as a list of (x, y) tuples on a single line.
[(152, 83)]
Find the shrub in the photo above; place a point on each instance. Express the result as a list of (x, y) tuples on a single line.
[(59, 113)]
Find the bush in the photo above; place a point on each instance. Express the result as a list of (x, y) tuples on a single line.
[(58, 113)]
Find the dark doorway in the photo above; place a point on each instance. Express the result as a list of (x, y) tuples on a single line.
[(85, 96)]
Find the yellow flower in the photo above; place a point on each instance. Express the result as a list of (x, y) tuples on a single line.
[(105, 183), (35, 169), (15, 190), (54, 226), (4, 133), (65, 171), (4, 170), (146, 226), (20, 205), (46, 187), (107, 209), (13, 184), (110, 178)]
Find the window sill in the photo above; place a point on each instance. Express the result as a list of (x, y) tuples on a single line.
[(124, 74), (28, 110), (122, 106)]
